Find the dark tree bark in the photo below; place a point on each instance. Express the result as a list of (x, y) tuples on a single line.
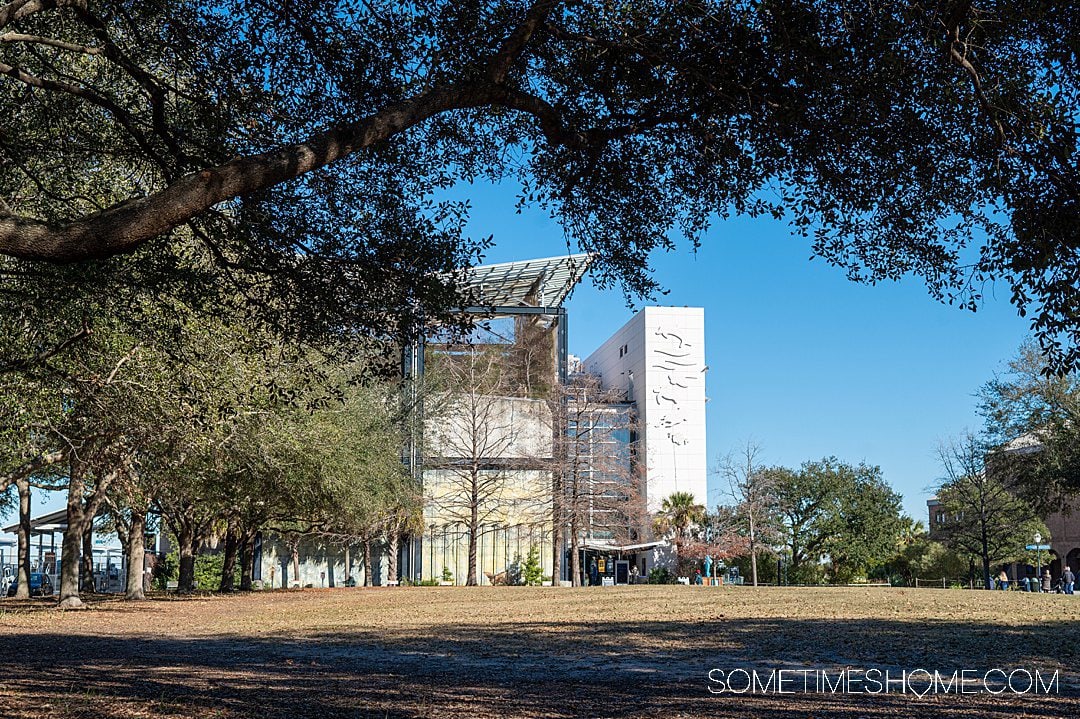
[(69, 552), (23, 590), (556, 521), (247, 561), (228, 561), (187, 549), (474, 525), (392, 559), (69, 570), (123, 227), (368, 573), (575, 553), (294, 556), (136, 554), (81, 510), (86, 561)]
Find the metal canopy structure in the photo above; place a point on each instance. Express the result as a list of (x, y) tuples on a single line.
[(545, 282), (530, 293), (44, 524), (601, 546)]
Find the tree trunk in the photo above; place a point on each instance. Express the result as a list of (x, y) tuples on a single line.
[(575, 554), (186, 539), (294, 548), (80, 517), (753, 552), (69, 553), (367, 563), (474, 524), (228, 562), (69, 569), (392, 559), (348, 564), (136, 554), (247, 561), (985, 542), (556, 526), (796, 560), (86, 561), (23, 590)]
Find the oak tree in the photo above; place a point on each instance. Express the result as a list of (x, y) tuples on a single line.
[(299, 150)]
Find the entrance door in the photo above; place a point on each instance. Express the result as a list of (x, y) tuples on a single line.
[(622, 572)]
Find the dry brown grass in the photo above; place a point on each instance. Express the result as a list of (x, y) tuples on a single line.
[(514, 651)]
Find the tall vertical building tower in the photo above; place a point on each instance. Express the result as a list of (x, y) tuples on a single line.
[(658, 359)]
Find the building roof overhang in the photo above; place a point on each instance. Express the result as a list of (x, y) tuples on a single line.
[(545, 282), (601, 546), (44, 524)]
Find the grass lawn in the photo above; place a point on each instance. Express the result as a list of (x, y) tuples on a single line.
[(528, 652)]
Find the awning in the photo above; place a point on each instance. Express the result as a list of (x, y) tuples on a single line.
[(45, 524), (608, 547), (541, 283)]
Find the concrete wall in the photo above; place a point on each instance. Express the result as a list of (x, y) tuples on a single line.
[(501, 428), (322, 564), (658, 358)]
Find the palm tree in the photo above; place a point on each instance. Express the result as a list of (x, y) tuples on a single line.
[(678, 516), (911, 530)]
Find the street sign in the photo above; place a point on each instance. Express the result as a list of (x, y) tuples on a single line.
[(1037, 546)]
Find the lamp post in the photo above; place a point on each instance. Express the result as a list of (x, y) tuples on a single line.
[(1038, 556)]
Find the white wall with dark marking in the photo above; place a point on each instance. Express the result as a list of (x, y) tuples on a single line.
[(658, 358)]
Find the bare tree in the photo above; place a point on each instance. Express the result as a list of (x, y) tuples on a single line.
[(984, 516), (596, 486), (754, 495), (485, 447)]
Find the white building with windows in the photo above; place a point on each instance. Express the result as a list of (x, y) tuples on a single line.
[(658, 359)]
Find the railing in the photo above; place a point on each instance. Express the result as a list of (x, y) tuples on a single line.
[(958, 583)]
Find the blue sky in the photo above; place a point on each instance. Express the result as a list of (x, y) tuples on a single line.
[(802, 361)]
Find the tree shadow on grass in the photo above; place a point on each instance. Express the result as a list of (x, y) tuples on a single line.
[(536, 669)]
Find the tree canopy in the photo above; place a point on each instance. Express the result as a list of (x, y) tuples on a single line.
[(1031, 429), (833, 509), (195, 145), (984, 516)]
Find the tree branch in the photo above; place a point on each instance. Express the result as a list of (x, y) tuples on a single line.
[(32, 466), (49, 42), (45, 355), (127, 225), (18, 9), (512, 47)]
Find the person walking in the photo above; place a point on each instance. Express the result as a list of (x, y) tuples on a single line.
[(1046, 581), (1068, 579), (1003, 580)]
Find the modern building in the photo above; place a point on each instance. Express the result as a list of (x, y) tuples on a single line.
[(490, 457), (514, 431), (658, 360)]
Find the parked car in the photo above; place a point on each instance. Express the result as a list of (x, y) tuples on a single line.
[(40, 585)]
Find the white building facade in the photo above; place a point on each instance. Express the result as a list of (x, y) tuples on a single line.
[(658, 359)]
